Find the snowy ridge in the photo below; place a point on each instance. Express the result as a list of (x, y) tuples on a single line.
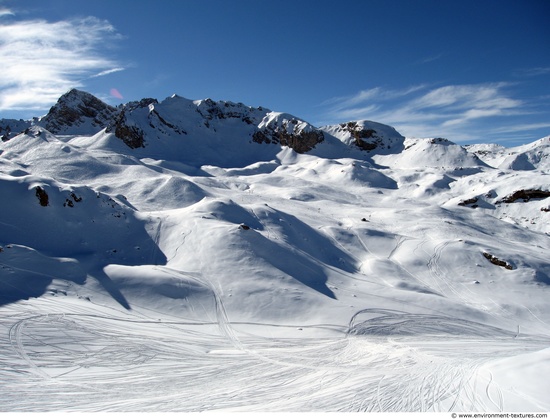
[(526, 157), (529, 157), (431, 152), (195, 255)]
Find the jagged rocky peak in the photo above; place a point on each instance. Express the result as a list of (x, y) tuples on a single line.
[(78, 112), (210, 110), (143, 122), (138, 104), (140, 123), (287, 130), (367, 135)]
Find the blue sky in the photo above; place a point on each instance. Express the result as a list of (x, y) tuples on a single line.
[(470, 71)]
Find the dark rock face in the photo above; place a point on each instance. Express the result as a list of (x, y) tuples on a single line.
[(76, 108), (496, 261), (290, 134), (525, 195), (367, 139), (439, 140), (124, 129), (133, 137), (363, 145), (301, 143), (143, 103), (69, 202), (368, 136), (228, 110), (42, 196), (469, 202)]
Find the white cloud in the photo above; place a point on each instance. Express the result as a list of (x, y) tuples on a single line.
[(359, 97), (427, 111), (42, 60), (374, 93), (533, 72), (466, 97), (365, 101), (109, 71), (522, 127), (5, 12)]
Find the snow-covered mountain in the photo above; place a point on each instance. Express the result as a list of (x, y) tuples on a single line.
[(199, 255), (526, 157)]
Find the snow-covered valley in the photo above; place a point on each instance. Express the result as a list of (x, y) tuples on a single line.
[(199, 255)]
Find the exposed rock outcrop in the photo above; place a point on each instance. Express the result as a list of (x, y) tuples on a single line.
[(472, 202), (496, 261), (365, 138), (126, 128), (228, 110), (301, 143), (42, 196), (286, 130), (525, 195), (78, 112)]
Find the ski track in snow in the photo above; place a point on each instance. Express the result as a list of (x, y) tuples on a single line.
[(360, 284), (87, 358), (443, 281), (108, 359)]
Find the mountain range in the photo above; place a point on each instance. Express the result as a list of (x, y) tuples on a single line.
[(190, 255)]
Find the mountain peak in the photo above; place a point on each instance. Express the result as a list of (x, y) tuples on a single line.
[(227, 133), (78, 112), (368, 136), (217, 125)]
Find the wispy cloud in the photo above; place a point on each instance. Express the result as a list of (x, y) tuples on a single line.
[(522, 127), (426, 111), (109, 71), (533, 72), (360, 103), (382, 105), (42, 60), (5, 12), (430, 59)]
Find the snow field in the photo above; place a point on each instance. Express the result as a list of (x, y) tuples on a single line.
[(202, 272)]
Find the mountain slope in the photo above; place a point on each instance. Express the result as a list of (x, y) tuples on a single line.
[(199, 255)]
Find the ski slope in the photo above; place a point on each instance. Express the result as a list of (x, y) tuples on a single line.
[(209, 272)]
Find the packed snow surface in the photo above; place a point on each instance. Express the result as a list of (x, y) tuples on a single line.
[(205, 271)]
